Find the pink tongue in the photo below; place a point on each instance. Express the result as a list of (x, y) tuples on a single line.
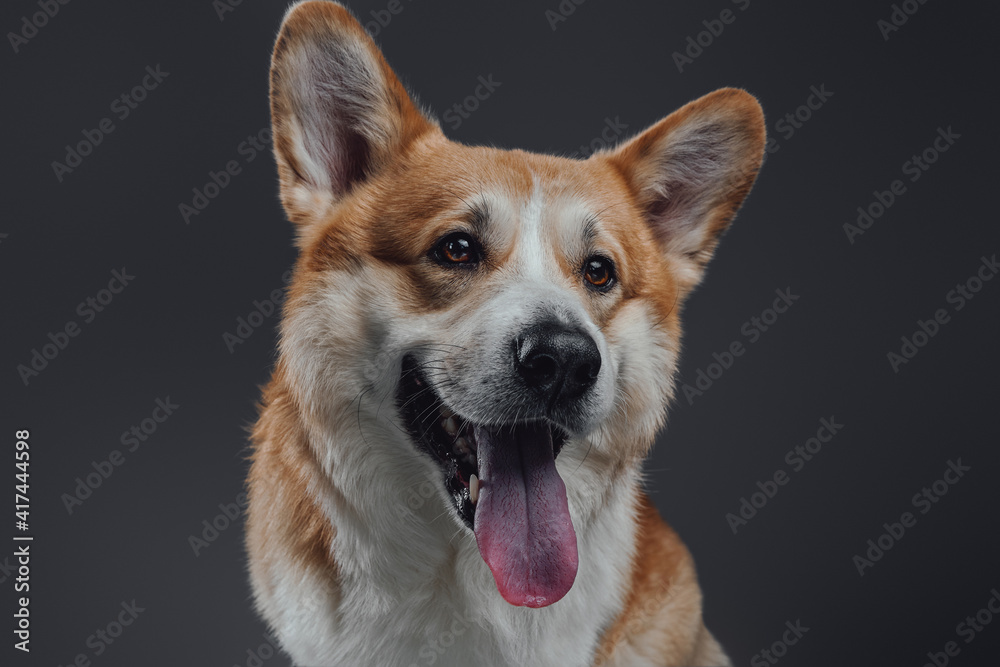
[(523, 527)]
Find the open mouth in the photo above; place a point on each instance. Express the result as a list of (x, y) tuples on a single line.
[(503, 482)]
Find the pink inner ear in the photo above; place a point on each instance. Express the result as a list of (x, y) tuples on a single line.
[(329, 79), (692, 175), (350, 162), (335, 99)]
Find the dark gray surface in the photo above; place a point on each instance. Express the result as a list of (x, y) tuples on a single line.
[(162, 336)]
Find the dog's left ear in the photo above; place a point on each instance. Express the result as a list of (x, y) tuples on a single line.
[(339, 114), (690, 172)]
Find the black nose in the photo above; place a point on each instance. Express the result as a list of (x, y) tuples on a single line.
[(558, 361)]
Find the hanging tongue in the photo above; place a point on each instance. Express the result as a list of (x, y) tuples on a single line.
[(523, 527)]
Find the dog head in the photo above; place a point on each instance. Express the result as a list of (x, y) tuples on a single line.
[(488, 310)]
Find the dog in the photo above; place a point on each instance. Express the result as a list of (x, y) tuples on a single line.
[(477, 349)]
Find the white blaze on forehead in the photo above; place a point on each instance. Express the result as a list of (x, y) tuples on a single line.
[(533, 252), (556, 225), (552, 223)]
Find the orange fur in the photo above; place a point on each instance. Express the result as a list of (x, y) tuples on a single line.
[(282, 507), (663, 586)]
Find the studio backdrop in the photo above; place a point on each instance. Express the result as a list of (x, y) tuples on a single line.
[(831, 458)]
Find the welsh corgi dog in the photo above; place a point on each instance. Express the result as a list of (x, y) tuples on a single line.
[(477, 349)]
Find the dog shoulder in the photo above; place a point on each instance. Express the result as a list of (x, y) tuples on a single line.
[(285, 524), (660, 622)]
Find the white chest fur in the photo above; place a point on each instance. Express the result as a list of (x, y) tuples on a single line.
[(413, 590)]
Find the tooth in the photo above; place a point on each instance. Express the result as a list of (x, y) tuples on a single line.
[(462, 445), (473, 489), (450, 426), (446, 412)]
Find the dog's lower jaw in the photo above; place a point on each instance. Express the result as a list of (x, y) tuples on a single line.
[(381, 573)]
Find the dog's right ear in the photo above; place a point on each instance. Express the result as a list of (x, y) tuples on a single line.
[(338, 111), (690, 172)]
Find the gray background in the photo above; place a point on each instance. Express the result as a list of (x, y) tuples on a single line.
[(162, 336)]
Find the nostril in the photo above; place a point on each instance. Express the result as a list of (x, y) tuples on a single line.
[(542, 366), (559, 361), (586, 373)]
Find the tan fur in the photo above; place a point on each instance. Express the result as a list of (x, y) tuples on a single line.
[(285, 512), (380, 222), (661, 619)]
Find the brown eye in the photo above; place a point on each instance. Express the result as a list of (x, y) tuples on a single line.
[(457, 248), (599, 272)]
